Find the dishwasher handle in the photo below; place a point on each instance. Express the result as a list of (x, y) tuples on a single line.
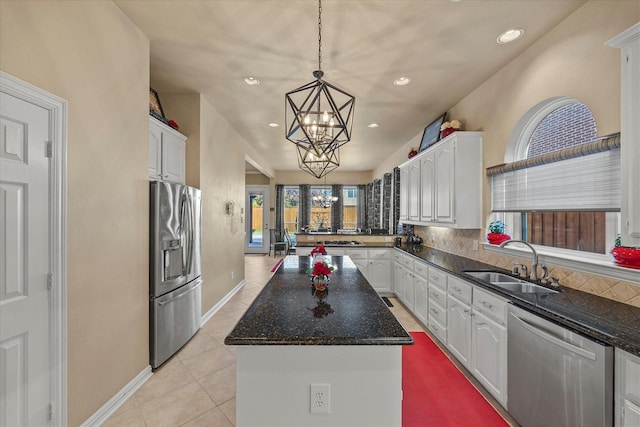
[(548, 337)]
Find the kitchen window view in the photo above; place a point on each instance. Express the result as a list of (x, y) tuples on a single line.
[(320, 209), (594, 231)]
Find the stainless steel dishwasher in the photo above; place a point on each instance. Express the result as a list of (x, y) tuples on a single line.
[(556, 377)]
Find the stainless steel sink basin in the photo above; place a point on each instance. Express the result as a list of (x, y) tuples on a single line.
[(510, 283), (493, 277)]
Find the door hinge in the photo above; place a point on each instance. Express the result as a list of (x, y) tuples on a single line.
[(48, 151), (50, 411), (49, 281)]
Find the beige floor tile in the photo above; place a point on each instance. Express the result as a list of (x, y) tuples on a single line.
[(200, 343), (220, 385), (208, 362), (229, 410), (128, 415), (213, 418), (172, 375), (177, 407)]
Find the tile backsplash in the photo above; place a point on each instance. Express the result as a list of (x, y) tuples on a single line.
[(460, 242)]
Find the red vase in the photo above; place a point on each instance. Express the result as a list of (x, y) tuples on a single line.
[(626, 257), (447, 132)]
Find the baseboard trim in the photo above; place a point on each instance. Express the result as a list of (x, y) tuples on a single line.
[(109, 408), (209, 314)]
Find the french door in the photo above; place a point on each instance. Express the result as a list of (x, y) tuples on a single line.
[(257, 221)]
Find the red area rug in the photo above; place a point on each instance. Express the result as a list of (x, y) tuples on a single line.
[(437, 394), (275, 267)]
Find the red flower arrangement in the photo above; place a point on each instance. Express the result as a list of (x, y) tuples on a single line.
[(321, 269), (320, 275), (318, 250)]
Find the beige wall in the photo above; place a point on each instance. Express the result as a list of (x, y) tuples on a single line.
[(256, 179), (215, 164), (90, 54), (222, 179)]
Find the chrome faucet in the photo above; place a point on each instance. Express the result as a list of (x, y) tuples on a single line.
[(534, 263)]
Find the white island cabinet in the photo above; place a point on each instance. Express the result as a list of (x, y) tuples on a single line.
[(166, 153)]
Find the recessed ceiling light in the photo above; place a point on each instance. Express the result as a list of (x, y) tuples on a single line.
[(401, 81), (510, 35), (373, 125), (273, 125), (251, 81)]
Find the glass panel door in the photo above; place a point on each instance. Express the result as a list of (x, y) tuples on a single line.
[(257, 219)]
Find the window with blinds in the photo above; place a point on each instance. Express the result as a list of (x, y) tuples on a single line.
[(566, 192)]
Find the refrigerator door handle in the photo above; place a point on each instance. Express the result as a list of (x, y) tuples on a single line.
[(183, 237)]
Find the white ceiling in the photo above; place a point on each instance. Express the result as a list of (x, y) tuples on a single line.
[(447, 48)]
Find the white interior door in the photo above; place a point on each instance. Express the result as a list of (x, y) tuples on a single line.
[(257, 203), (25, 264)]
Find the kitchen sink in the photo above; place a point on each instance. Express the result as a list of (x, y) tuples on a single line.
[(510, 283)]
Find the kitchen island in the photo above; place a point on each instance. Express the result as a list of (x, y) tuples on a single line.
[(344, 340)]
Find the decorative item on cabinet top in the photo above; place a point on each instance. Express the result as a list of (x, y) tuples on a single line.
[(431, 133), (155, 107), (447, 128)]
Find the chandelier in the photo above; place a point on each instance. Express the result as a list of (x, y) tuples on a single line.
[(319, 118), (323, 199)]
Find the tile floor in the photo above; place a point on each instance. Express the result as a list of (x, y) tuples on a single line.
[(197, 386)]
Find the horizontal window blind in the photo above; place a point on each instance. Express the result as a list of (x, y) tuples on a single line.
[(582, 178)]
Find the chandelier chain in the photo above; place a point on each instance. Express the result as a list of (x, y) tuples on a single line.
[(319, 34)]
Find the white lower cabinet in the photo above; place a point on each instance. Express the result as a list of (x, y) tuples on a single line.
[(437, 304), (627, 389), (489, 343), (420, 296), (459, 319)]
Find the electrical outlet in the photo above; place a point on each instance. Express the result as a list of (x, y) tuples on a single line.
[(475, 245), (320, 398), (432, 237), (387, 239), (309, 237), (233, 273)]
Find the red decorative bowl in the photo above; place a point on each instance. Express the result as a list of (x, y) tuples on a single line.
[(626, 257), (497, 238)]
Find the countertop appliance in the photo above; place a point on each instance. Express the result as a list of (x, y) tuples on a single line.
[(174, 268), (556, 377)]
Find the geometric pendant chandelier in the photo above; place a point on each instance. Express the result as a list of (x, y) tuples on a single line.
[(319, 118)]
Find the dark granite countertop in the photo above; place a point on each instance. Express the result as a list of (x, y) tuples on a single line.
[(289, 312), (605, 320)]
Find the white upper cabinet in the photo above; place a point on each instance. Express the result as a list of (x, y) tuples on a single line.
[(404, 193), (629, 44), (166, 153), (442, 186)]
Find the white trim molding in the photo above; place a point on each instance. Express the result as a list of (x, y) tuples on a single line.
[(108, 409), (57, 108), (586, 262)]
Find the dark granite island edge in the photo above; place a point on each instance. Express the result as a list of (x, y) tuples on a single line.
[(288, 312)]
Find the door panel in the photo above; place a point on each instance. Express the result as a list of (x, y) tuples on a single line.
[(25, 257), (257, 203)]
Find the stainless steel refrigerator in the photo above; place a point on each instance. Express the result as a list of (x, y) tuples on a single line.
[(174, 268)]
